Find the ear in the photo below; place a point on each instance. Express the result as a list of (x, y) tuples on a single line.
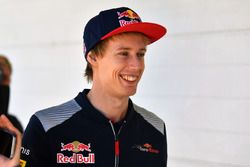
[(91, 57)]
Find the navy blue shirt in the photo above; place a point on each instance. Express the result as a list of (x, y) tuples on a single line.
[(76, 134)]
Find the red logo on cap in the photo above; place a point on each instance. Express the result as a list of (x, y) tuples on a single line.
[(132, 16), (129, 14)]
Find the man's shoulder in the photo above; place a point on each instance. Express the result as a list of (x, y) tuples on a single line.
[(151, 118), (53, 116)]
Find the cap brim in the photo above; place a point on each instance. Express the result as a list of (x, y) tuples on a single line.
[(151, 30)]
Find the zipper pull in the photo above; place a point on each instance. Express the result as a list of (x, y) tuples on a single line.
[(117, 148)]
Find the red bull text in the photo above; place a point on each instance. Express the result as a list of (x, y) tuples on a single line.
[(76, 147), (124, 22), (76, 158)]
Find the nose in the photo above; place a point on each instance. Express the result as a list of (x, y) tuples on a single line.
[(136, 63)]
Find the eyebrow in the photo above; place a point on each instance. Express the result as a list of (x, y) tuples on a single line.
[(126, 48)]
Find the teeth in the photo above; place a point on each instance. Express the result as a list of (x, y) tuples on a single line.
[(129, 77)]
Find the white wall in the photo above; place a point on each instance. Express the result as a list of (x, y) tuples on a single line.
[(197, 77)]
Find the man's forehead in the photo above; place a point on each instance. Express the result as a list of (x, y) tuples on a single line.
[(124, 37), (127, 34)]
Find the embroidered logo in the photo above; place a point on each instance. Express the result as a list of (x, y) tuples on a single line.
[(146, 148), (131, 17), (76, 147)]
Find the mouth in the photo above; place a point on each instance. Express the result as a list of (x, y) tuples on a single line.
[(130, 78)]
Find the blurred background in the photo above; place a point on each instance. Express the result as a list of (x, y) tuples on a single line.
[(197, 78)]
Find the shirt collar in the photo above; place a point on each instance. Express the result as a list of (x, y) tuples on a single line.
[(90, 110)]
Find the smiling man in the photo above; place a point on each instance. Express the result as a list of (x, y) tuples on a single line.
[(102, 127)]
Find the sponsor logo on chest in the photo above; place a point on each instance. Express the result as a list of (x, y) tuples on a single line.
[(77, 149), (146, 148)]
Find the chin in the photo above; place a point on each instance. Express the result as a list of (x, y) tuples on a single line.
[(130, 92)]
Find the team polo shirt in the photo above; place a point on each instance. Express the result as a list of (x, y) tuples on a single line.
[(76, 134)]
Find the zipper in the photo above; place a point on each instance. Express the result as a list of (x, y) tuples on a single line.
[(117, 143)]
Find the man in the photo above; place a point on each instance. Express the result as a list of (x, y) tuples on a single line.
[(5, 79), (102, 127)]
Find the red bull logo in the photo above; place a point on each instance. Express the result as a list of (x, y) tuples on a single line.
[(76, 147), (129, 14)]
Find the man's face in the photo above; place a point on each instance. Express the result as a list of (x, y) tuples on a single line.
[(121, 66)]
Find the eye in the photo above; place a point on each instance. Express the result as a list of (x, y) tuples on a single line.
[(142, 54), (124, 53)]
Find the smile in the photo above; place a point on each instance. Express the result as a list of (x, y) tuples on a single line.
[(130, 78)]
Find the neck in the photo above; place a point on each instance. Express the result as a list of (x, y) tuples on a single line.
[(114, 108)]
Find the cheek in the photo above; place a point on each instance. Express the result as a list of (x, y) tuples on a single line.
[(109, 71)]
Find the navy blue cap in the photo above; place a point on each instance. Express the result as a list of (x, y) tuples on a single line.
[(118, 20)]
